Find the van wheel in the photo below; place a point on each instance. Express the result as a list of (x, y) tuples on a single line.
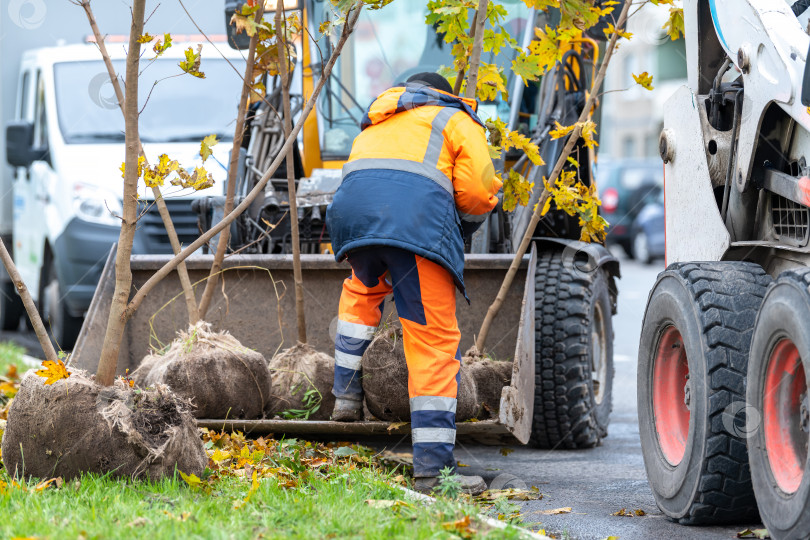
[(63, 326), (692, 362), (573, 354), (11, 307), (777, 397)]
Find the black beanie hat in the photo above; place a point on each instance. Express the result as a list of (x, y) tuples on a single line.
[(434, 80)]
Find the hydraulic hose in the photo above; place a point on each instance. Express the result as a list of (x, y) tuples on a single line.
[(800, 6)]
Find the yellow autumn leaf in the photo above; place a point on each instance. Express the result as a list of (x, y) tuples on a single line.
[(674, 25), (191, 479), (53, 371), (205, 146), (254, 485), (644, 79), (191, 64), (161, 45), (588, 133), (560, 131), (610, 30), (145, 38), (165, 165)]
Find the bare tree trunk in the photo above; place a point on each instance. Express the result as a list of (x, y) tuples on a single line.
[(185, 282), (225, 235), (492, 312), (147, 287), (123, 274), (28, 302), (281, 41), (478, 45)]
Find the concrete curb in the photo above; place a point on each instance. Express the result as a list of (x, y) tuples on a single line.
[(492, 522)]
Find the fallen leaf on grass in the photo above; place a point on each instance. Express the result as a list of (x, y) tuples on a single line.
[(138, 522), (191, 479), (506, 451), (44, 485), (345, 451), (629, 513), (754, 533), (555, 511), (461, 527), (460, 464), (512, 494), (386, 503)]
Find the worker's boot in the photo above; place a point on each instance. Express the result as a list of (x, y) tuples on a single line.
[(473, 485), (347, 410)]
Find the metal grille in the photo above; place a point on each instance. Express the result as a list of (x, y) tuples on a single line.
[(151, 225), (790, 220)]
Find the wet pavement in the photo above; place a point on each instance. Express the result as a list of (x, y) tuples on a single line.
[(598, 482)]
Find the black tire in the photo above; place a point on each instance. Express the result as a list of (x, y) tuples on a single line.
[(11, 307), (62, 325), (573, 396), (778, 438), (692, 364)]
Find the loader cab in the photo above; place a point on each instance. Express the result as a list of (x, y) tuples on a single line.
[(387, 47)]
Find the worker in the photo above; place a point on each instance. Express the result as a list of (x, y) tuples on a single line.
[(419, 181)]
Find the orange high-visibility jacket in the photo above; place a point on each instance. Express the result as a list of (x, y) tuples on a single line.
[(419, 177)]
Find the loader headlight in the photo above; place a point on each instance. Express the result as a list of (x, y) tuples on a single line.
[(97, 205)]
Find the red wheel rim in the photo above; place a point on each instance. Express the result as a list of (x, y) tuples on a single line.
[(670, 397), (785, 416)]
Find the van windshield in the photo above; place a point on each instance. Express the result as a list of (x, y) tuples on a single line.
[(180, 108)]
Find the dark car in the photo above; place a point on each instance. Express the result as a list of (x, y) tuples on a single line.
[(625, 187), (649, 239)]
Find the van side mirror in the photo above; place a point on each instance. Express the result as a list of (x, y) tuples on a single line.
[(20, 151)]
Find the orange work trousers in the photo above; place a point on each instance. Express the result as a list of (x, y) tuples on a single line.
[(425, 298)]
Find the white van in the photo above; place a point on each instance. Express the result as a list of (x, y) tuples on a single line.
[(67, 145)]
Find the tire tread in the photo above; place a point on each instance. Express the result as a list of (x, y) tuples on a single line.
[(728, 295)]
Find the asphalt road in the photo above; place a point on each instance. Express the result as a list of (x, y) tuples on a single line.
[(596, 483)]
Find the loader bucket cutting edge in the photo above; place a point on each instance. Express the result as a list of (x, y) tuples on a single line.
[(258, 308)]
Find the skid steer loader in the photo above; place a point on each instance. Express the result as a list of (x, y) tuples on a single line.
[(724, 354), (556, 326)]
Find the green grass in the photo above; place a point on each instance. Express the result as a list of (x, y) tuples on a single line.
[(332, 507), (11, 353)]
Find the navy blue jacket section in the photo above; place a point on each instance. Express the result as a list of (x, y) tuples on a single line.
[(383, 207)]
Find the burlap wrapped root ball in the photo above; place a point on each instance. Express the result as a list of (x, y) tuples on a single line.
[(302, 383), (221, 377), (385, 380), (490, 377), (76, 426)]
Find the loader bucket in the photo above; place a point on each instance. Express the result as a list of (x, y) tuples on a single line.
[(255, 302)]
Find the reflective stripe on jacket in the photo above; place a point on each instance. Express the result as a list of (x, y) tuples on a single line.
[(419, 177)]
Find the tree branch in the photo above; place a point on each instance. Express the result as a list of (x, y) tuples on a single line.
[(281, 42), (353, 15), (182, 272), (239, 132), (123, 274), (28, 302), (538, 209)]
